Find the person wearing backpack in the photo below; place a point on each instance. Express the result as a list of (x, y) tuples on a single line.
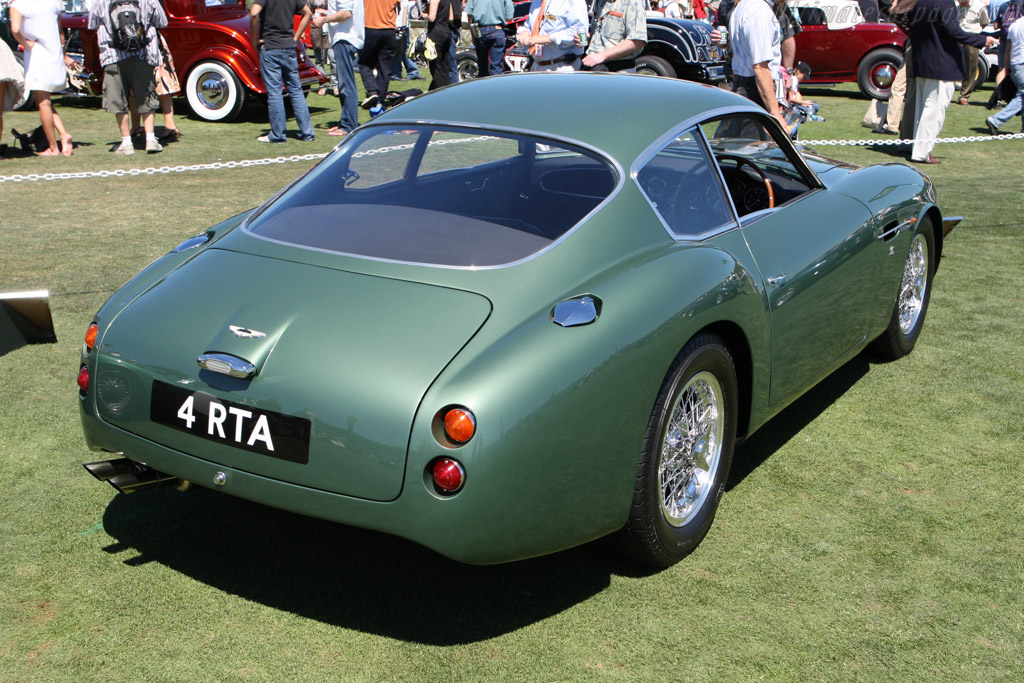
[(129, 54)]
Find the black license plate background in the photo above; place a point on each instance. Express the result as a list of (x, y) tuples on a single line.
[(289, 434)]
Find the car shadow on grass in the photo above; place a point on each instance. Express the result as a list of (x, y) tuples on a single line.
[(376, 583), (753, 452), (346, 576)]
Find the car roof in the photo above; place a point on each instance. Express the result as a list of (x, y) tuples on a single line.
[(621, 114)]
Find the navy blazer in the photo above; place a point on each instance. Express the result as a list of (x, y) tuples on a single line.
[(936, 35)]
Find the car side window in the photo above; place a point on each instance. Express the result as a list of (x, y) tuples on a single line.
[(760, 171), (812, 16), (683, 187)]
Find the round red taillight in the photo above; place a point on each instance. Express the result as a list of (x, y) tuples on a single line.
[(90, 336), (459, 425), (83, 378), (448, 475)]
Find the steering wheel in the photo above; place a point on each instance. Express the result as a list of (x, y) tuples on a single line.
[(684, 200), (743, 161)]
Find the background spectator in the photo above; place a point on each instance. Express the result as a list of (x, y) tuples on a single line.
[(12, 84), (34, 24)]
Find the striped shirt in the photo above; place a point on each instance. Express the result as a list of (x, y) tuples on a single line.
[(99, 21)]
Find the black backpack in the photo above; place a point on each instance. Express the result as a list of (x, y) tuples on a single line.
[(127, 30)]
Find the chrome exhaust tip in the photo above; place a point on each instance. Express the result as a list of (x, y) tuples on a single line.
[(128, 476), (105, 469)]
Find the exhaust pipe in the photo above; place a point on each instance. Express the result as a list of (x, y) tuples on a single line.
[(128, 476), (105, 469)]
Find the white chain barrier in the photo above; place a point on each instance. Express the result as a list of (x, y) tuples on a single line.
[(245, 163), (883, 142)]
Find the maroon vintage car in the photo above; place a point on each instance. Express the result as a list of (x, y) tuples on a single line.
[(841, 47), (213, 54)]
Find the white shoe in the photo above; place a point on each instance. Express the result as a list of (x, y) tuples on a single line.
[(152, 147), (125, 148)]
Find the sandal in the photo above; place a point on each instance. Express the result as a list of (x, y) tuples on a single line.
[(337, 132), (321, 92), (169, 135)]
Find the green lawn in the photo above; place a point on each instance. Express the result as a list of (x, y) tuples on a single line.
[(872, 531)]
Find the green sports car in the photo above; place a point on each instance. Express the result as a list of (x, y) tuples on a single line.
[(512, 316)]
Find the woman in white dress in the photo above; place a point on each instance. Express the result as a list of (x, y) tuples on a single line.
[(34, 24), (12, 84)]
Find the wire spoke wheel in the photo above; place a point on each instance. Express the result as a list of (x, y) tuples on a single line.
[(914, 285), (907, 318), (686, 454), (691, 449)]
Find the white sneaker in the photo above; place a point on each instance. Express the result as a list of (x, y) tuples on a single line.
[(125, 148), (152, 147)]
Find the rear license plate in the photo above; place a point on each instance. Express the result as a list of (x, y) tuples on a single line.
[(259, 431)]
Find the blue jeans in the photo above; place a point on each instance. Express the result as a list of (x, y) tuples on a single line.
[(277, 66), (345, 67), (490, 50), (1014, 106), (411, 69), (453, 62)]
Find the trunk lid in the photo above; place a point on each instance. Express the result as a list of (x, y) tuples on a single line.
[(338, 364)]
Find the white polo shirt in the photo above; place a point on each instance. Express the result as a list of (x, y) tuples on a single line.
[(755, 37)]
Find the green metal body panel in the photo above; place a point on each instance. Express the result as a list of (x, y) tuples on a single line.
[(371, 350)]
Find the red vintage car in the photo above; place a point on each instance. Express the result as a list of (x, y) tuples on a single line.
[(841, 47), (209, 39)]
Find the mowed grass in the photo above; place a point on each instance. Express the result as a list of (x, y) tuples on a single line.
[(872, 531)]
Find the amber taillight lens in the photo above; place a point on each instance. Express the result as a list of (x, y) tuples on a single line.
[(459, 425), (90, 336)]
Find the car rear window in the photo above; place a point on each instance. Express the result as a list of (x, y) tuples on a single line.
[(440, 196)]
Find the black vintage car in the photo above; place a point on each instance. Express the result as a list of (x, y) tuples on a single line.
[(676, 48)]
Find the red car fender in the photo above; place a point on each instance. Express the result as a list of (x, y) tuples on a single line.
[(240, 62)]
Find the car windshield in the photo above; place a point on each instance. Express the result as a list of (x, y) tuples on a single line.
[(440, 195)]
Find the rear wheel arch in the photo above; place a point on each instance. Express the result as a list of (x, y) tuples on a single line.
[(739, 347)]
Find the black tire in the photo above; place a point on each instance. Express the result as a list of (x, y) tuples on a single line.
[(912, 297), (982, 71), (28, 100), (468, 67), (666, 523), (654, 66), (214, 92), (877, 70)]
